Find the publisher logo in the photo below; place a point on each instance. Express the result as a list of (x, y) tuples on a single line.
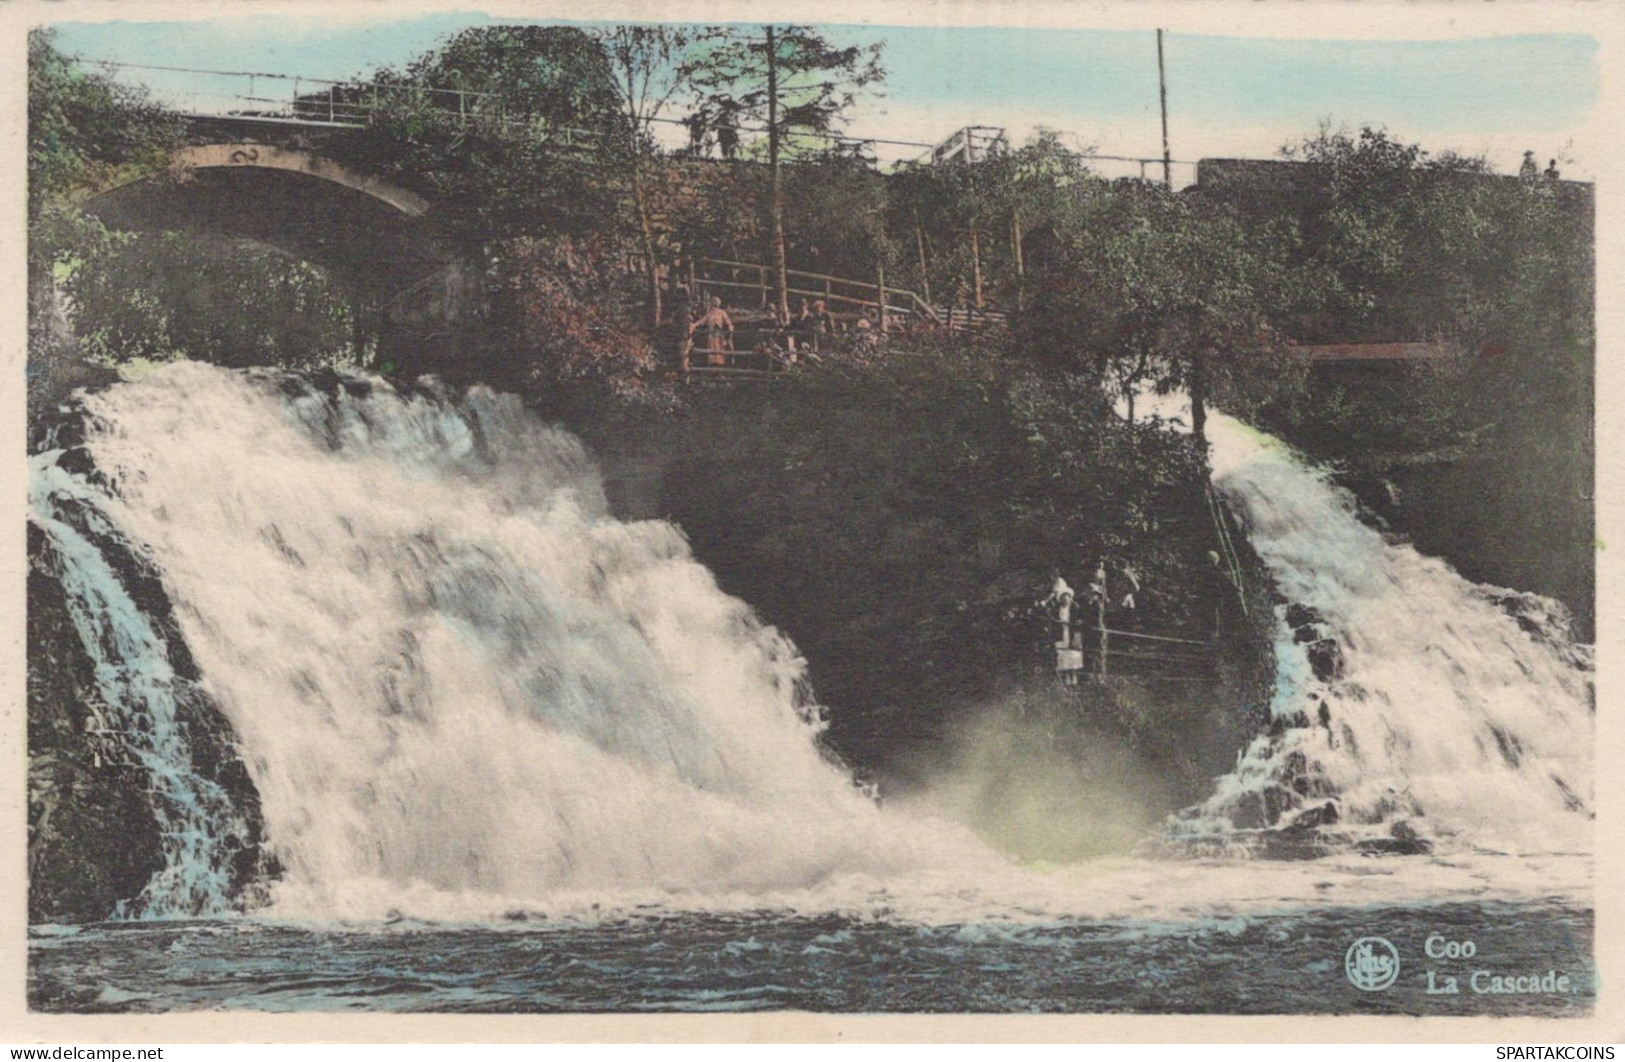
[(1372, 964)]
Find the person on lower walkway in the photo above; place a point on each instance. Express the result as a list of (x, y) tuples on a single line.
[(1059, 602)]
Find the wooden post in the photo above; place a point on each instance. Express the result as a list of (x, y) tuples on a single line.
[(919, 241), (880, 291), (781, 279), (1015, 246), (976, 263), (761, 287), (1105, 637)]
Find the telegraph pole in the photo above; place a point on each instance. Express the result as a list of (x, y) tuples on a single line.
[(1162, 87)]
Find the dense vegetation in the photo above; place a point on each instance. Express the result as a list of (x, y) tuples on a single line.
[(1487, 457)]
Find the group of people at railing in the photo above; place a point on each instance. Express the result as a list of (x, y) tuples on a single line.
[(784, 337), (1059, 606)]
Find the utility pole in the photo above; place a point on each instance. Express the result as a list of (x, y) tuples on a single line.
[(1162, 88)]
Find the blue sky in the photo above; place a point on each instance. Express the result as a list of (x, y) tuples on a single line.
[(1227, 95)]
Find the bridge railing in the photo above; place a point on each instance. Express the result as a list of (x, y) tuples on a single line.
[(266, 97), (259, 96)]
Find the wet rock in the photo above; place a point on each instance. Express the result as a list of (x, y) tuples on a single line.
[(1301, 616), (1323, 815), (94, 839), (1393, 846), (1326, 659), (1282, 723), (1402, 839), (1249, 812)]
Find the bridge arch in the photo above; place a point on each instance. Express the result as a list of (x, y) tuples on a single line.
[(272, 157), (378, 237)]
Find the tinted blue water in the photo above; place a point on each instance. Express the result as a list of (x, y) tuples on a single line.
[(1257, 964)]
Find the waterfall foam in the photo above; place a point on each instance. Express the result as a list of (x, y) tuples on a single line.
[(144, 698), (1436, 707), (460, 686), (449, 669)]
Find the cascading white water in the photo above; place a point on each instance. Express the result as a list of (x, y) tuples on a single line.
[(1448, 715), (142, 695), (450, 670), (460, 686)]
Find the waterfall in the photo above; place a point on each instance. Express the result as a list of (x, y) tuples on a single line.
[(450, 671), (1411, 706), (460, 686), (148, 702)]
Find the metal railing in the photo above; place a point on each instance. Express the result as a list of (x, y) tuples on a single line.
[(262, 96), (257, 96), (860, 295), (864, 295)]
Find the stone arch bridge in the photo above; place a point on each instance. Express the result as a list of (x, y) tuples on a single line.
[(380, 240)]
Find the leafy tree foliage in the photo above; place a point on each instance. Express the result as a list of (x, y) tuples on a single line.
[(575, 306), (787, 79), (835, 217), (533, 75), (1145, 285), (649, 69), (167, 295), (504, 128), (898, 521), (85, 131), (158, 295), (1394, 244)]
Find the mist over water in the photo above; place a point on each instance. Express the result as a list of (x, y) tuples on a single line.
[(462, 688)]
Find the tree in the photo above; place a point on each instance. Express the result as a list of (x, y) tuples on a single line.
[(85, 131), (504, 126), (789, 78), (1404, 244), (1149, 286), (968, 221), (159, 296), (574, 311), (835, 216), (648, 68), (554, 75)]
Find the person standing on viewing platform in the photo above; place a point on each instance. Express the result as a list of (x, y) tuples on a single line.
[(816, 321), (717, 330)]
